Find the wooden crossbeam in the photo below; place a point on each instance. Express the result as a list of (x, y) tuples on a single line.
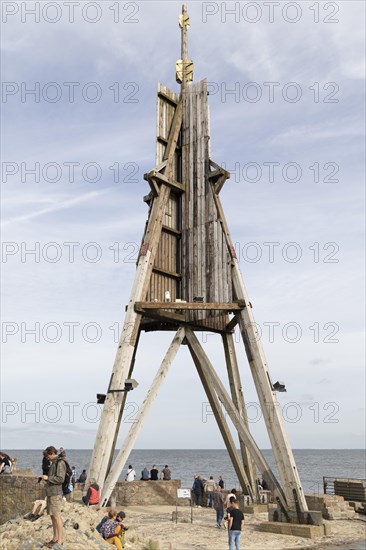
[(161, 178), (219, 174), (167, 98), (164, 315), (233, 306), (233, 322), (164, 141), (171, 230), (172, 274), (219, 169)]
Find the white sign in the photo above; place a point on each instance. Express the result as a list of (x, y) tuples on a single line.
[(183, 493)]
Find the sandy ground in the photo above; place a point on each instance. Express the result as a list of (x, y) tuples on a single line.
[(154, 523)]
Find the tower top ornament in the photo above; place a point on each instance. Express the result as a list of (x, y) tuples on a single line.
[(184, 66)]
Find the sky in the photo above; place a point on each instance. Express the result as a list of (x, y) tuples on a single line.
[(286, 83)]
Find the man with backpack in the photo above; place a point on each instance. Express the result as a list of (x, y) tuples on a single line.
[(55, 479)]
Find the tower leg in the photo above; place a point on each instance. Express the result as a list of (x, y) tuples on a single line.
[(223, 396), (122, 408), (136, 426), (238, 400), (221, 422), (267, 398)]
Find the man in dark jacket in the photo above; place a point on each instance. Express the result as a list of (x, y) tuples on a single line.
[(55, 479), (197, 488), (82, 477)]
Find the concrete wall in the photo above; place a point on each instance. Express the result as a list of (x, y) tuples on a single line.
[(146, 492), (18, 492)]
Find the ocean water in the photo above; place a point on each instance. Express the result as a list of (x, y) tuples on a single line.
[(184, 464)]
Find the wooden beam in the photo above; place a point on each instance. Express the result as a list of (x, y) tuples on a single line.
[(221, 422), (237, 396), (232, 306), (161, 178), (163, 315), (219, 184), (167, 273), (233, 322), (136, 426), (154, 188), (167, 98), (242, 430), (173, 140), (164, 141), (220, 169), (267, 397), (172, 231), (123, 404), (218, 176)]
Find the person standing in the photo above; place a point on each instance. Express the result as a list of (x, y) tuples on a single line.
[(154, 473), (74, 476), (221, 483), (209, 487), (197, 489), (228, 497), (235, 522), (62, 453), (167, 475), (55, 479), (82, 477), (46, 463), (131, 474), (218, 504)]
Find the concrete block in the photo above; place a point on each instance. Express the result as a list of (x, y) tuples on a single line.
[(297, 530)]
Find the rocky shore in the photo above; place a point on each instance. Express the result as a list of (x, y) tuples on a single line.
[(152, 528)]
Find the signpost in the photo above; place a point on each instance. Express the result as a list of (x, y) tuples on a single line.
[(183, 493)]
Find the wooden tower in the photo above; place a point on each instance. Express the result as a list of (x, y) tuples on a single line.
[(188, 280)]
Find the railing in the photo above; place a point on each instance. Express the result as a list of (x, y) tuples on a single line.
[(350, 489)]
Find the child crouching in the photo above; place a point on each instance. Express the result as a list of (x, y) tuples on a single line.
[(112, 529)]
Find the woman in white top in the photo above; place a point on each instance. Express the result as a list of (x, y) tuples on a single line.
[(131, 474)]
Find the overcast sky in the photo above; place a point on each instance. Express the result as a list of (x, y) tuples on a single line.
[(287, 118)]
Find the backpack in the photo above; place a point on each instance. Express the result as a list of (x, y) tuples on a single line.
[(108, 529), (68, 476)]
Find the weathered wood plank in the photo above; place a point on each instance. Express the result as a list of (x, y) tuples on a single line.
[(237, 395), (194, 306)]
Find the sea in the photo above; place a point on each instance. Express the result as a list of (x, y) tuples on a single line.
[(312, 464)]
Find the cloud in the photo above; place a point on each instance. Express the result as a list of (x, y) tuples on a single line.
[(62, 205)]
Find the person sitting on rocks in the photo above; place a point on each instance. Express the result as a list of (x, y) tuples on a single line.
[(6, 462), (154, 473), (37, 510), (145, 474), (112, 529), (93, 494)]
